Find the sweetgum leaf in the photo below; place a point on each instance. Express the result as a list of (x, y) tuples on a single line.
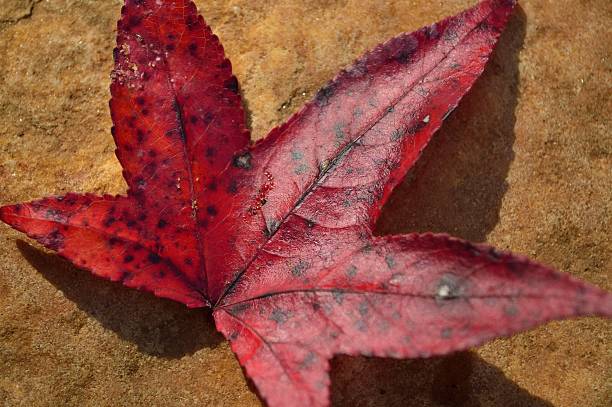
[(277, 236)]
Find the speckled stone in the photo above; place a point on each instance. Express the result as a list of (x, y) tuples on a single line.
[(524, 163)]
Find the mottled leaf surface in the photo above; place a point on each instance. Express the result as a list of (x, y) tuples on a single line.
[(277, 236), (178, 119)]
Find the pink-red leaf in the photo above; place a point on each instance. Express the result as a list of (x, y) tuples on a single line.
[(336, 161), (399, 296), (277, 236)]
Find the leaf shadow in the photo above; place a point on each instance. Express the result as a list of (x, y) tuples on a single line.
[(159, 327), (459, 380), (457, 188)]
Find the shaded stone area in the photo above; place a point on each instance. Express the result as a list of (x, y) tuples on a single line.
[(524, 163)]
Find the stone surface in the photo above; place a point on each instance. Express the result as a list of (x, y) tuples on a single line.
[(525, 163)]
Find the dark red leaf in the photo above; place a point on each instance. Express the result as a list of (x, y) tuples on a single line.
[(178, 120), (277, 236)]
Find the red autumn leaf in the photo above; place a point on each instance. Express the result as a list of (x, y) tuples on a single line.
[(277, 236)]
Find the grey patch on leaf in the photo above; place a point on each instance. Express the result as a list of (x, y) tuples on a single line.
[(511, 311), (446, 333), (364, 308), (300, 169), (338, 296), (351, 271), (361, 326), (296, 155), (242, 161), (279, 316), (308, 361), (299, 269)]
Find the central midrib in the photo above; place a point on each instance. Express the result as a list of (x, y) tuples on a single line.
[(317, 181), (187, 163)]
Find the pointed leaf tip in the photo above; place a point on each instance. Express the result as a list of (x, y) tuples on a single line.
[(337, 160)]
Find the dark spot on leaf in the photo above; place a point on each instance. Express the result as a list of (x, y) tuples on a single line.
[(397, 134), (154, 258), (232, 188), (210, 152), (140, 135), (128, 258), (54, 240), (162, 224), (239, 308), (191, 22), (134, 21), (450, 36), (242, 161), (140, 100), (131, 223), (211, 210), (367, 248), (109, 221), (225, 64), (208, 118), (324, 94), (431, 32), (232, 84), (405, 50), (351, 271)]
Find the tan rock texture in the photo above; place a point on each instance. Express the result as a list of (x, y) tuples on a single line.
[(525, 163)]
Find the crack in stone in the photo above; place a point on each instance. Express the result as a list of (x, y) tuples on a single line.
[(26, 14)]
